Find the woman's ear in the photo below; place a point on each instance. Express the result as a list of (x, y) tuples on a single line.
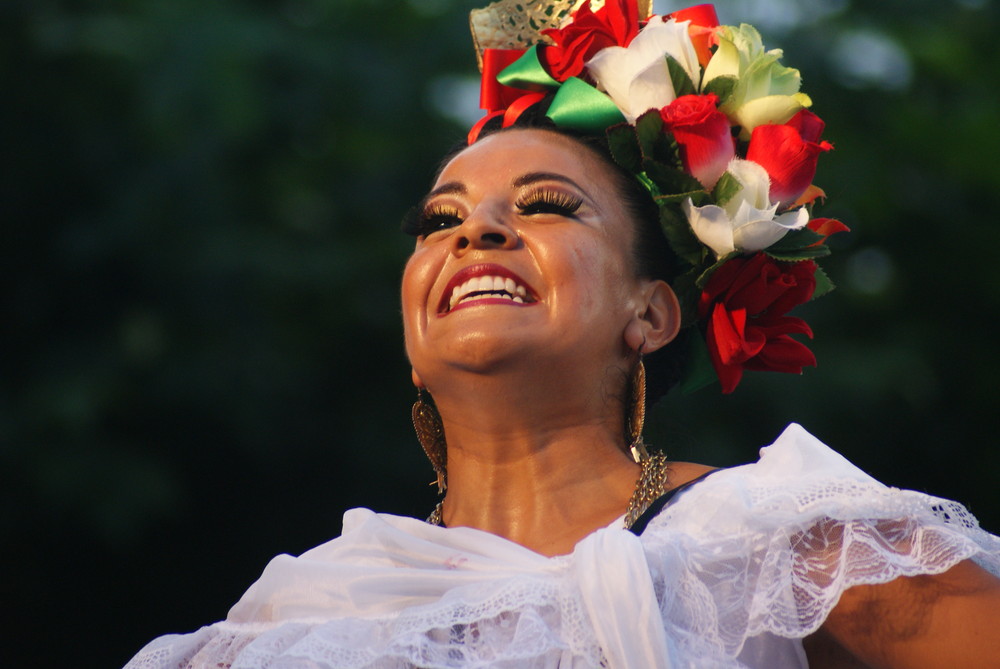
[(417, 382), (658, 319)]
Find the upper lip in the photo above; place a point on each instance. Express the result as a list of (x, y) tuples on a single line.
[(456, 287)]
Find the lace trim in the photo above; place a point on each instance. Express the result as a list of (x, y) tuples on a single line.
[(710, 610), (749, 552), (787, 580)]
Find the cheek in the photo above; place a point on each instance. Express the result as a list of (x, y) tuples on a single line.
[(592, 272), (615, 283), (418, 279)]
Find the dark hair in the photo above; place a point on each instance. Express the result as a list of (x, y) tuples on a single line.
[(654, 259)]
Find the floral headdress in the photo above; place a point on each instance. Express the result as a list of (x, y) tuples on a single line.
[(716, 130)]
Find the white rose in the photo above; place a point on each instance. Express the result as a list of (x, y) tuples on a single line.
[(636, 77), (746, 222)]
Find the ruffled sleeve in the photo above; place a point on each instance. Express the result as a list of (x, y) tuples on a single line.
[(733, 573), (765, 550)]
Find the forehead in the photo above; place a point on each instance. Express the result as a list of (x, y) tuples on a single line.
[(505, 155)]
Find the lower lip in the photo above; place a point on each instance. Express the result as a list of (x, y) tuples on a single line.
[(485, 301)]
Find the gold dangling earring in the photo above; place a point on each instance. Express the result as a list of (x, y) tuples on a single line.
[(430, 432), (637, 414)]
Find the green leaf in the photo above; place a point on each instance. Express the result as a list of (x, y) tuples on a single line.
[(657, 144), (795, 255), (648, 129), (697, 197), (722, 87), (702, 280), (796, 240), (672, 182), (648, 184), (624, 146), (823, 284), (698, 369), (680, 236), (680, 78), (725, 189), (688, 295), (803, 244)]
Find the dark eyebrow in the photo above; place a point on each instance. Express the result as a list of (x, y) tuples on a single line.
[(458, 188), (452, 187), (532, 177)]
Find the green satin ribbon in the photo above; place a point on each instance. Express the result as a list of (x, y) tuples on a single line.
[(527, 73), (576, 104), (580, 106)]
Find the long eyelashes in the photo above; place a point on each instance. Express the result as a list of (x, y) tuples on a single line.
[(432, 217), (543, 201), (422, 221)]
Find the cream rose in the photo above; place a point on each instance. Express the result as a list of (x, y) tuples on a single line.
[(766, 91)]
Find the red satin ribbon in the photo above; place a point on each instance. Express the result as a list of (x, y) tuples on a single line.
[(510, 115), (519, 106), (494, 96), (478, 128)]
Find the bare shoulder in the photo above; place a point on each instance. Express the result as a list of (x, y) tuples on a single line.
[(935, 621), (680, 473)]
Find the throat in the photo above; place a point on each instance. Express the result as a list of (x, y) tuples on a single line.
[(526, 503)]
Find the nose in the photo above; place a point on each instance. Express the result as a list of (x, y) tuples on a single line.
[(485, 229)]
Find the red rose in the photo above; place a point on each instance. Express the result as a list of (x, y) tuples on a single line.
[(789, 153), (703, 135), (745, 303), (614, 24)]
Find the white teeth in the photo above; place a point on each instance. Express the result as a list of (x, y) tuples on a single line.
[(496, 286), (493, 296)]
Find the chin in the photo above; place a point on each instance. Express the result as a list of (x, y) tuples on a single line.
[(479, 353)]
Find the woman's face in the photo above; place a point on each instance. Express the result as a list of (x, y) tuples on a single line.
[(524, 258)]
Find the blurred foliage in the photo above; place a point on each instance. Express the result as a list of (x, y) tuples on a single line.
[(202, 359)]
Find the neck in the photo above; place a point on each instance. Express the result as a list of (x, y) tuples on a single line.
[(541, 467)]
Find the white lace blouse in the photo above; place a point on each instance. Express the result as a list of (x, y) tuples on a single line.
[(734, 572)]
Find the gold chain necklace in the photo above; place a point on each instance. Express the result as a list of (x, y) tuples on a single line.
[(648, 488)]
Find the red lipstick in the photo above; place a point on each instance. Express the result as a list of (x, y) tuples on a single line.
[(517, 291)]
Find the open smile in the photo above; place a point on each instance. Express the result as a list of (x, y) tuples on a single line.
[(485, 284)]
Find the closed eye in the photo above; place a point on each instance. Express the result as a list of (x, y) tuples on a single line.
[(546, 201), (431, 219)]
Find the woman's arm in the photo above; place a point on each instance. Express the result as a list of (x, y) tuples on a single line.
[(946, 621)]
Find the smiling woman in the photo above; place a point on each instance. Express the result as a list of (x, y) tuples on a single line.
[(541, 210), (568, 267)]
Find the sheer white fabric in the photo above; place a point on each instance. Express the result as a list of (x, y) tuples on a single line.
[(732, 574)]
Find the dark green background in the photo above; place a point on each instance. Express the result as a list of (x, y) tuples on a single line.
[(202, 363)]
